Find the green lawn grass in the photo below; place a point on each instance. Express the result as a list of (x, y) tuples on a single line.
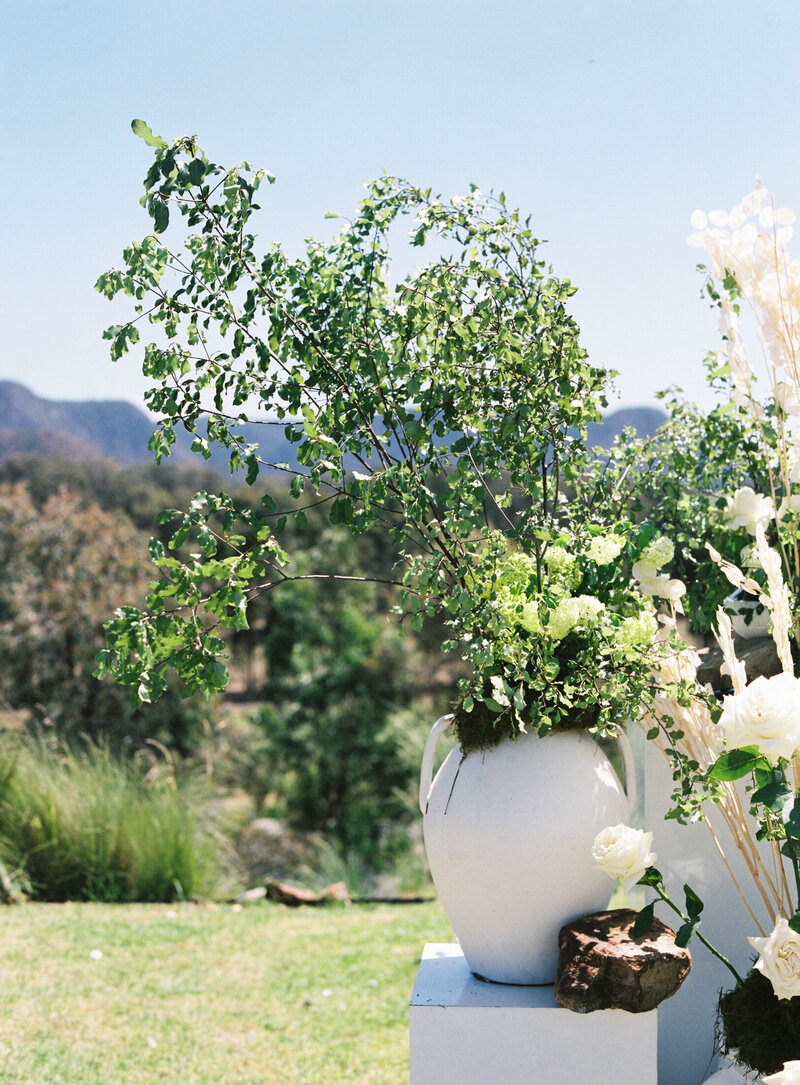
[(209, 994)]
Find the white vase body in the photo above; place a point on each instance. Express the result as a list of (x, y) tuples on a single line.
[(508, 833), (749, 618)]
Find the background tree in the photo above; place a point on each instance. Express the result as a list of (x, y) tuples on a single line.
[(339, 677), (63, 564)]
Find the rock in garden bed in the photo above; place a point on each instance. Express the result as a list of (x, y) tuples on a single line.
[(294, 895), (602, 967)]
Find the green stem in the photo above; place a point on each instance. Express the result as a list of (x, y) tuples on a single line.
[(662, 893)]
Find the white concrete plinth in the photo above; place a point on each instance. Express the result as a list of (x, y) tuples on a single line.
[(468, 1032)]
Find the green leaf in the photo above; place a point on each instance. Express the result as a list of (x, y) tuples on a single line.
[(686, 933), (763, 775), (792, 822), (694, 905), (493, 706), (197, 171), (651, 877), (734, 764), (253, 470), (160, 213), (143, 131), (644, 921), (775, 796), (794, 922), (791, 848)]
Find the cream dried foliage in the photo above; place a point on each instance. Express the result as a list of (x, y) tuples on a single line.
[(703, 741), (750, 243), (777, 601), (729, 824)]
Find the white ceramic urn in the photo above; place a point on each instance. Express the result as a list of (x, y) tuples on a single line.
[(749, 618), (509, 833)]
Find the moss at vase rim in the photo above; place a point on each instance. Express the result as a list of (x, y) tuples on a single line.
[(482, 729), (759, 1029)]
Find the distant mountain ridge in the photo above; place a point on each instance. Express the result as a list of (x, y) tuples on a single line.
[(87, 430), (119, 431)]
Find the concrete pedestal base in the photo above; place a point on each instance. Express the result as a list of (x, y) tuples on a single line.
[(468, 1032)]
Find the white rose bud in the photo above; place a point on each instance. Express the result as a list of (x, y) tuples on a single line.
[(747, 509), (623, 853), (789, 1075), (779, 960), (765, 714)]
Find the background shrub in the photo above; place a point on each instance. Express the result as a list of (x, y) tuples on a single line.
[(84, 825)]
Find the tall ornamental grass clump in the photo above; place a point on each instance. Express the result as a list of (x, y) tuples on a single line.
[(83, 825)]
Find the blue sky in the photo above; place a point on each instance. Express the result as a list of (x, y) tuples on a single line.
[(610, 123)]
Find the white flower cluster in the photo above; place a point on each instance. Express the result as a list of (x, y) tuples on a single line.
[(623, 853), (779, 959), (765, 714), (659, 551)]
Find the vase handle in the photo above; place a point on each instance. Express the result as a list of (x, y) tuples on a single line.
[(428, 754), (630, 769)]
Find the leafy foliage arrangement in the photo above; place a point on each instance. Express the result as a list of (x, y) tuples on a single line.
[(448, 407)]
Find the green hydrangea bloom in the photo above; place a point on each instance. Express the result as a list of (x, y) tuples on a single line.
[(589, 608), (636, 632), (659, 551), (516, 571), (563, 563), (563, 618), (571, 612), (603, 549), (529, 619), (519, 611)]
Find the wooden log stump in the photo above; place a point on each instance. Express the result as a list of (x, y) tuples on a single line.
[(602, 967)]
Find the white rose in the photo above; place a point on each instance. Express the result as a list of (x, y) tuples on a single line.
[(765, 714), (779, 959), (623, 853), (747, 509), (789, 1075)]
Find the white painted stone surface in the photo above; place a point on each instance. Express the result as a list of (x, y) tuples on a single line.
[(467, 1032)]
